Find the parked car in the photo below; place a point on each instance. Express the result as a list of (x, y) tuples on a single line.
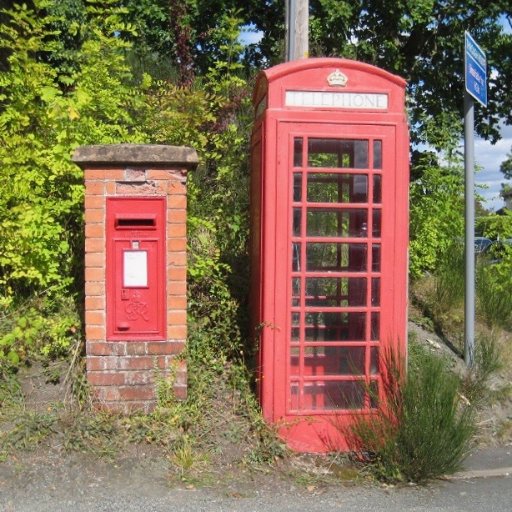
[(482, 244)]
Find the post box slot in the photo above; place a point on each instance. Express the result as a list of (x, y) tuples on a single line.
[(136, 222)]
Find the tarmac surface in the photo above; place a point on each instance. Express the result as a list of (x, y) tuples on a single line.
[(59, 485)]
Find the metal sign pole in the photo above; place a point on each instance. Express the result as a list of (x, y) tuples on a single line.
[(475, 75), (297, 29), (469, 164)]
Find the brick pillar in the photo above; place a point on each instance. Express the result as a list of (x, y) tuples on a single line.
[(122, 372)]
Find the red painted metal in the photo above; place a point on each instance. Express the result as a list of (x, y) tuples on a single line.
[(329, 234), (135, 268)]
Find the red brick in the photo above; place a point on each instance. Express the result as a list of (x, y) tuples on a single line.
[(94, 318), (175, 273), (176, 230), (94, 215), (178, 201), (107, 393), (93, 303), (94, 274), (136, 392), (136, 189), (157, 174), (94, 188), (177, 317), (180, 392), (94, 245), (177, 258), (96, 230), (166, 347), (115, 348), (136, 348), (94, 288), (177, 185), (138, 377), (135, 175), (177, 332), (177, 245), (94, 332), (106, 378), (94, 202), (114, 174), (176, 302), (177, 216), (177, 287), (95, 259)]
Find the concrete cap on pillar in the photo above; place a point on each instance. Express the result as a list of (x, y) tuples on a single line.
[(154, 155)]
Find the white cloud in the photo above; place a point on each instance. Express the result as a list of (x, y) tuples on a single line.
[(489, 158)]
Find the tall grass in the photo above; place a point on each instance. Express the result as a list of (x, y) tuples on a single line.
[(423, 428)]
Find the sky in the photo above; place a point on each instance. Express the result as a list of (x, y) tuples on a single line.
[(489, 157)]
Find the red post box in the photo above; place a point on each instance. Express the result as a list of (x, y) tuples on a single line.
[(135, 268), (329, 224)]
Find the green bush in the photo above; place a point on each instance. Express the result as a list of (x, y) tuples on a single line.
[(422, 429)]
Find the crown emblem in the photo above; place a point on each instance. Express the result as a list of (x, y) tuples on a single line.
[(337, 79)]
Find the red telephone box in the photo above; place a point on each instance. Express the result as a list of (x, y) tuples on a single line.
[(135, 268), (329, 225)]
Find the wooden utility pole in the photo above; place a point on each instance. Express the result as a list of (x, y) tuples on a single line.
[(297, 29)]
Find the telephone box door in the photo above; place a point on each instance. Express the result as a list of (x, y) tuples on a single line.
[(336, 284)]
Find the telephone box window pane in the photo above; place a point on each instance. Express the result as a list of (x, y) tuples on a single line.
[(295, 292), (377, 189), (336, 257), (297, 187), (294, 396), (377, 154), (338, 153), (374, 361), (295, 361), (297, 216), (375, 327), (337, 188), (376, 291), (376, 223), (376, 258), (295, 334), (296, 257), (337, 223), (335, 292), (323, 395), (374, 394), (335, 326), (334, 360), (297, 152)]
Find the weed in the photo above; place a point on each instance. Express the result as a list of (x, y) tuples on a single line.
[(422, 429)]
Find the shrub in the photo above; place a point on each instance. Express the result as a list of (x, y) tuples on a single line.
[(422, 429)]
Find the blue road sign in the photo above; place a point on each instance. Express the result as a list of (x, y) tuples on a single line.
[(475, 70)]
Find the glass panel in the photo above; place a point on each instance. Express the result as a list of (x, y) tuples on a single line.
[(374, 361), (377, 189), (375, 335), (334, 361), (337, 223), (295, 292), (294, 396), (377, 154), (374, 394), (334, 395), (336, 257), (337, 188), (296, 257), (295, 318), (297, 152), (335, 291), (376, 258), (376, 223), (295, 361), (335, 326), (297, 186), (338, 153), (297, 216), (375, 291)]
